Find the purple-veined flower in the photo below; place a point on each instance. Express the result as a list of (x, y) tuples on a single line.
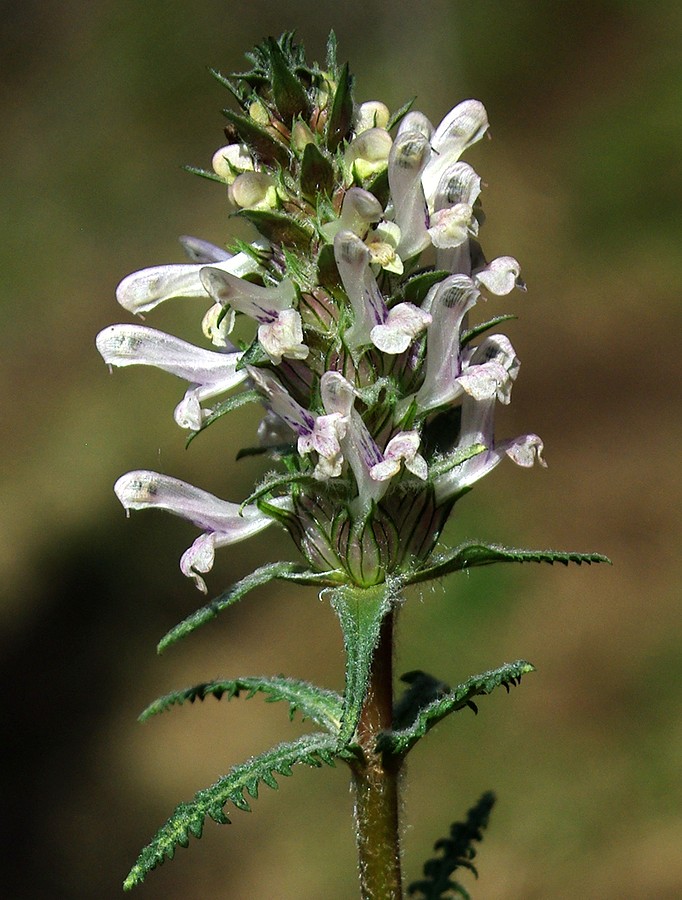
[(378, 394)]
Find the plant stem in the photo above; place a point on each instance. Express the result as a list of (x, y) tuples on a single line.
[(375, 781)]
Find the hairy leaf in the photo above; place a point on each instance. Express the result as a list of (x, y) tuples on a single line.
[(458, 851), (279, 227), (224, 407), (270, 149), (317, 174), (246, 778), (400, 742), (203, 173), (473, 553), (323, 706), (289, 94), (283, 571), (361, 612), (400, 114), (341, 115), (477, 330)]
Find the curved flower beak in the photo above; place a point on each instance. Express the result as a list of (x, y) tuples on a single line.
[(223, 522), (210, 373), (141, 291)]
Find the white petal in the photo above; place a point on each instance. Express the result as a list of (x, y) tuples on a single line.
[(525, 450), (501, 276), (257, 302), (403, 324), (141, 291), (281, 402), (452, 226), (283, 337)]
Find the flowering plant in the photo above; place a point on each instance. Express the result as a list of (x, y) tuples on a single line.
[(379, 398)]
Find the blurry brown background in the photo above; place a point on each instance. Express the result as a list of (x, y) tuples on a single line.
[(102, 103)]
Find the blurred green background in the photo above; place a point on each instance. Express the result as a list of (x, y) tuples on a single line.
[(103, 102)]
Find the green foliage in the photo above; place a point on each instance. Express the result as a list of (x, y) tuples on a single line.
[(423, 689), (400, 742), (188, 818), (324, 707), (226, 406), (415, 288), (203, 173), (361, 612), (399, 114), (341, 115), (269, 149), (472, 333), (282, 571), (474, 553), (279, 227), (458, 851), (288, 93), (317, 174)]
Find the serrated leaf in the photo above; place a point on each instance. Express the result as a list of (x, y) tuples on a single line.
[(278, 227), (317, 174), (224, 407), (266, 147), (240, 95), (400, 742), (341, 115), (288, 93), (282, 571), (322, 706), (457, 852), (472, 554), (361, 612), (188, 819)]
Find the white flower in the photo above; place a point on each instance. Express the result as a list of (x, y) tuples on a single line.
[(141, 291), (501, 276), (403, 447), (210, 373), (391, 331), (223, 522), (402, 325), (280, 330), (409, 155)]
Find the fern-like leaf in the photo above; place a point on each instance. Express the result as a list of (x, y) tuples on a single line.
[(474, 553), (400, 742), (458, 851), (322, 706), (282, 571), (244, 779)]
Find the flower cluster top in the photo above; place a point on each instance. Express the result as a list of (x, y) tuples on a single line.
[(378, 394)]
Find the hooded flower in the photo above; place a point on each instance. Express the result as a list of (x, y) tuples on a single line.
[(210, 373), (222, 522), (378, 393)]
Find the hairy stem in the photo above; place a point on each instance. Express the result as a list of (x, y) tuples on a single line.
[(375, 781)]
